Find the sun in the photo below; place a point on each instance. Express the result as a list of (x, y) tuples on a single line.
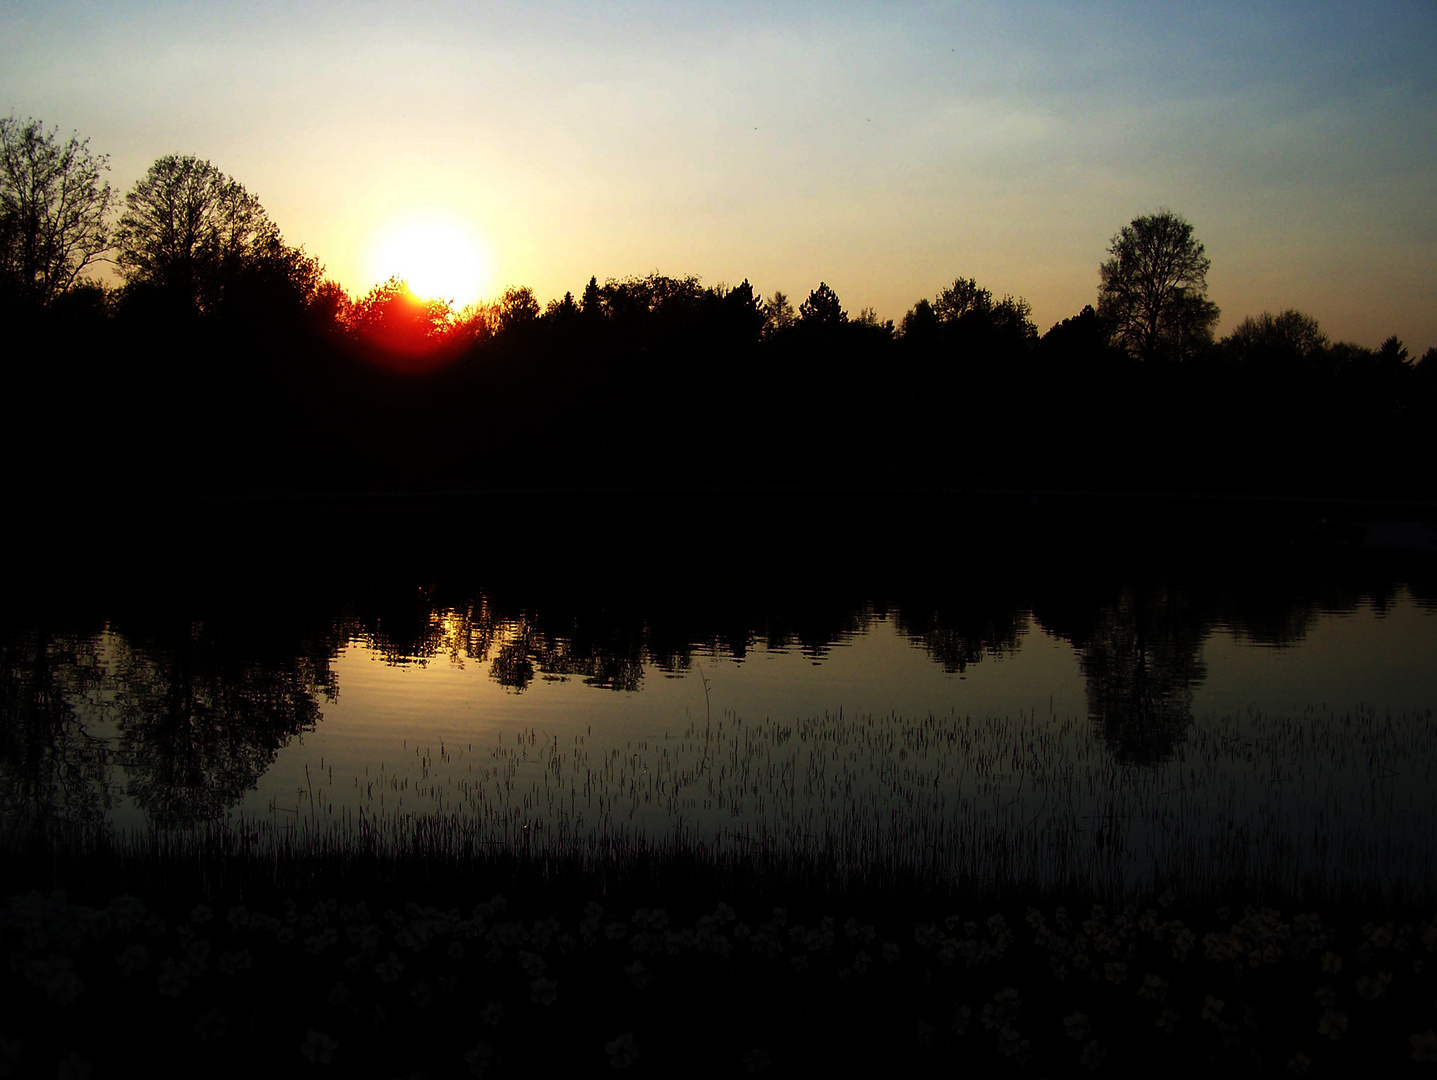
[(440, 260)]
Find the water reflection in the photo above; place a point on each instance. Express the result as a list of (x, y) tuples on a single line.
[(180, 700), (1141, 660), (55, 767), (201, 718)]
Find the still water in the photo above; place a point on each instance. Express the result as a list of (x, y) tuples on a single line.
[(1042, 693)]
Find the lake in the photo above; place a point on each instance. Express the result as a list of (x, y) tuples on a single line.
[(1038, 690)]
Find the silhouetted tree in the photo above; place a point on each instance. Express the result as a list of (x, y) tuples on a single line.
[(1425, 371), (965, 315), (1079, 336), (53, 207), (331, 307), (1393, 354), (517, 308), (822, 309), (1289, 334), (920, 324), (196, 235), (963, 298), (778, 313), (743, 313), (591, 303), (1012, 320), (393, 318), (562, 310), (1152, 291)]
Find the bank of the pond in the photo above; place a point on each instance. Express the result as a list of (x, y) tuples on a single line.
[(207, 954)]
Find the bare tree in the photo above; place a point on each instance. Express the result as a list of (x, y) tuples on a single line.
[(189, 230), (1153, 290), (53, 207)]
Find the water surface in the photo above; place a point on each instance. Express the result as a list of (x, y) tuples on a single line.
[(1068, 693)]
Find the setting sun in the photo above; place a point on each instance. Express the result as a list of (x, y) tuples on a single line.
[(438, 260)]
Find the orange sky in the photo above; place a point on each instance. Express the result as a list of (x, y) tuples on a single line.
[(885, 150)]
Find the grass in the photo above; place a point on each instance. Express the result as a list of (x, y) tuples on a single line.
[(1287, 808)]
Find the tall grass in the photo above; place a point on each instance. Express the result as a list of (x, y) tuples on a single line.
[(1299, 807)]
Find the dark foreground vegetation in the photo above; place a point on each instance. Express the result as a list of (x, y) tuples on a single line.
[(250, 950), (226, 360), (239, 956), (660, 382)]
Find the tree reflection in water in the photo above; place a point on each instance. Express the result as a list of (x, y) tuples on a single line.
[(200, 720), (1141, 661), (54, 765), (195, 694)]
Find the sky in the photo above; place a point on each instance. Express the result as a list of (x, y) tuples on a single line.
[(886, 149)]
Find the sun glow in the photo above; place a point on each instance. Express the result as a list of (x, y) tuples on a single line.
[(439, 260)]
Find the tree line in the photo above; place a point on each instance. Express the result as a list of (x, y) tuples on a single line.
[(226, 357)]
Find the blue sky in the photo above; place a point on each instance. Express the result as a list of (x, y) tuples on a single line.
[(883, 148)]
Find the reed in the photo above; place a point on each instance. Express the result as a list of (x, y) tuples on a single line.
[(1301, 808)]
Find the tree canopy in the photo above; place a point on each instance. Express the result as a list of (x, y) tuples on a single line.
[(198, 237), (1153, 289), (53, 206), (822, 308)]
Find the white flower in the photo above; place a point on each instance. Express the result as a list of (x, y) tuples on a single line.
[(318, 1048), (1154, 988), (73, 1067), (479, 1058), (212, 1025), (638, 974), (132, 960), (1092, 1055), (239, 960), (962, 1016), (173, 979), (1424, 1046), (389, 970), (622, 1051)]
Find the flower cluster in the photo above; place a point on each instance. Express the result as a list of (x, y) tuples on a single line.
[(488, 988)]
